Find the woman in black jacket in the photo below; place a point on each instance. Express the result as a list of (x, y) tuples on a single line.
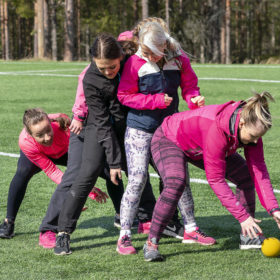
[(104, 134)]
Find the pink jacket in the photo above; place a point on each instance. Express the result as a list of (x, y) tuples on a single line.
[(80, 108), (40, 154), (206, 134)]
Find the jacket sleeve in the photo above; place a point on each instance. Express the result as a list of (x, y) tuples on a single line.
[(128, 91), (214, 154), (101, 118), (42, 161), (188, 82), (258, 171), (80, 108)]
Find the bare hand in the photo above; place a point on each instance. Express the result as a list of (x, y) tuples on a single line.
[(276, 217), (167, 100), (115, 174), (198, 100), (98, 195), (248, 227), (76, 126)]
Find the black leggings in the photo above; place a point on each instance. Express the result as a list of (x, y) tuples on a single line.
[(93, 162), (25, 171)]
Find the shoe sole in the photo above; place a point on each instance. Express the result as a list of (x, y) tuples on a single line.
[(63, 253), (195, 242), (158, 259), (132, 253), (248, 247), (171, 234), (7, 237)]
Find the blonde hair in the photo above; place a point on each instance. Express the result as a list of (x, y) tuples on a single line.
[(153, 36), (256, 109)]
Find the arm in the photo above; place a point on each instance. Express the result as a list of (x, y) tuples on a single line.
[(190, 90), (128, 92), (258, 171), (214, 153), (33, 153), (80, 108)]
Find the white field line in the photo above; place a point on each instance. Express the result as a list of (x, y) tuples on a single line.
[(35, 73), (192, 180), (235, 66)]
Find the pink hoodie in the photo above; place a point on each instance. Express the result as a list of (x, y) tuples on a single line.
[(205, 134), (40, 154)]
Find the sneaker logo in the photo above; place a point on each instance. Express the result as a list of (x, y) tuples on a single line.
[(194, 238), (172, 228)]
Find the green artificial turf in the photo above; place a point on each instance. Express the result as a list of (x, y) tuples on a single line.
[(94, 242)]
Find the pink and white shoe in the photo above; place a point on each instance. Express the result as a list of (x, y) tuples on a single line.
[(198, 236), (47, 239), (144, 228), (124, 246)]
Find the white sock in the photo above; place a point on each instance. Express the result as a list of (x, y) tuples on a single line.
[(125, 232), (190, 227)]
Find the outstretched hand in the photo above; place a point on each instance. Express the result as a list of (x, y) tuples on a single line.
[(250, 226), (98, 195), (276, 217)]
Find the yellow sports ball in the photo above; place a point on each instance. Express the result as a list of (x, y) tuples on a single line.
[(271, 247)]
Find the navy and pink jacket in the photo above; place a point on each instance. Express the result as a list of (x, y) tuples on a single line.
[(143, 85), (211, 133)]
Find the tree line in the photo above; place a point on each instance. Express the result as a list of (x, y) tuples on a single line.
[(215, 31)]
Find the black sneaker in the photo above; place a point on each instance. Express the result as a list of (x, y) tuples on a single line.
[(174, 229), (247, 243), (151, 253), (7, 230), (62, 244), (117, 222)]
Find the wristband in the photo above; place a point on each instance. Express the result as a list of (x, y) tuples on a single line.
[(274, 210)]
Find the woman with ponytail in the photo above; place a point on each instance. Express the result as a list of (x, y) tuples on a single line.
[(149, 87), (209, 138)]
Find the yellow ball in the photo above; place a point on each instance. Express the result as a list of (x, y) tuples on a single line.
[(271, 247)]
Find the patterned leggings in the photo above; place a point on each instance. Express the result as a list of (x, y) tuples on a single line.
[(171, 162), (137, 147)]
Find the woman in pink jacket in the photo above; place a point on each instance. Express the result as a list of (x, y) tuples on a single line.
[(208, 138)]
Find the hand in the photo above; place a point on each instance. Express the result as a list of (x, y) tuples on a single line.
[(276, 217), (167, 100), (198, 100), (248, 227), (98, 195), (115, 174), (76, 126)]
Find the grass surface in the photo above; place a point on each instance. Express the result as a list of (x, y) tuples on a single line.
[(94, 242)]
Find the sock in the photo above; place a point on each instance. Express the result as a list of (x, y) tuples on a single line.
[(125, 232), (190, 227)]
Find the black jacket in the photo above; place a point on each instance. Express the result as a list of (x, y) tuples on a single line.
[(105, 113)]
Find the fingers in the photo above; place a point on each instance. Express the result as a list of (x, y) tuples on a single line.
[(115, 174), (167, 100), (198, 100)]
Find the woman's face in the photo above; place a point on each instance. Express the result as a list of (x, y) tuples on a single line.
[(42, 132), (249, 133), (108, 67), (146, 52)]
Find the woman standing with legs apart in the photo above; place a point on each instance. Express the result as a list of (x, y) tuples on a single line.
[(149, 86), (208, 138)]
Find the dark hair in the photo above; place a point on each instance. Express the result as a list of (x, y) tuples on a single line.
[(105, 46), (32, 117)]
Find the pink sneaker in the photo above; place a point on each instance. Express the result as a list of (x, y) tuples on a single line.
[(124, 246), (47, 239), (198, 236), (144, 228)]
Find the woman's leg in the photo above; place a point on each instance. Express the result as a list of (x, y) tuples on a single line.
[(75, 150), (137, 144), (25, 170)]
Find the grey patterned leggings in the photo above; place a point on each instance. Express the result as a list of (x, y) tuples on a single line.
[(137, 148)]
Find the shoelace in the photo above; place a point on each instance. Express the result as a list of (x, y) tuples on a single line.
[(62, 240), (201, 233), (126, 241), (152, 246)]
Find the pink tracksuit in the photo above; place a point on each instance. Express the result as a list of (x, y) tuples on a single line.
[(40, 154)]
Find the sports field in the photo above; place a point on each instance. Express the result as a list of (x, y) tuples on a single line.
[(52, 86)]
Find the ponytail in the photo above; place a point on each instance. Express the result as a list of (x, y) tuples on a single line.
[(63, 121), (256, 109)]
